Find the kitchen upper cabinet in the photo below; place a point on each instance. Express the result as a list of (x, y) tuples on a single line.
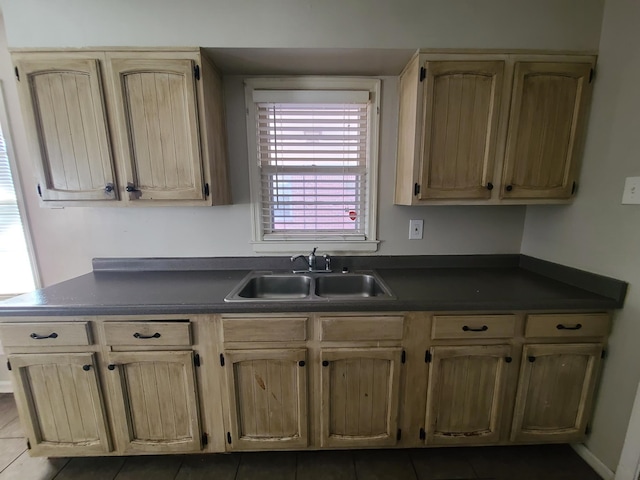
[(546, 125), (66, 122), (155, 401), (465, 397), (150, 132), (359, 392), (157, 118), (267, 391), (60, 403), (555, 392), (491, 128)]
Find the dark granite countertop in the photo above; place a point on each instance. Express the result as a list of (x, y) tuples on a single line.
[(189, 286)]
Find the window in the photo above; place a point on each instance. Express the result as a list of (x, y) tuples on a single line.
[(313, 163), (16, 274)]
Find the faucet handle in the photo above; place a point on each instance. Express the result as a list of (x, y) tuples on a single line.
[(327, 262)]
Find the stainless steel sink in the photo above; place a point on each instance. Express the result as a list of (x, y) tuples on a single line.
[(287, 287)]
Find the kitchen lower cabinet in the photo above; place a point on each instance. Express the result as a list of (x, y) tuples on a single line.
[(154, 401), (465, 397), (359, 392), (60, 403), (555, 391), (267, 391)]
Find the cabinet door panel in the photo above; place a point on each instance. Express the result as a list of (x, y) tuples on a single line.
[(60, 403), (462, 102), (65, 116), (360, 390), (268, 398), (156, 398), (555, 392), (546, 124), (157, 111), (466, 394)]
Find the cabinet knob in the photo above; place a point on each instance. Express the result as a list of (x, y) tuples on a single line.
[(111, 366), (489, 186), (301, 363), (108, 188), (531, 359), (325, 363), (86, 368), (508, 359), (131, 188), (508, 188)]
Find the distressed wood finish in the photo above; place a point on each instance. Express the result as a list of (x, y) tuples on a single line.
[(157, 115), (137, 333), (156, 401), (465, 399), (555, 392), (360, 390), (67, 126), (361, 328), (66, 334), (268, 398), (572, 325), (461, 112), (60, 403), (473, 326), (548, 115), (264, 329)]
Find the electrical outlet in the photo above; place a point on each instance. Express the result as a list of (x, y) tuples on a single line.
[(631, 194), (415, 229)]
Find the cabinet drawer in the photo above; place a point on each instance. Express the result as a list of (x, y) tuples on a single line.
[(568, 325), (337, 329), (264, 329), (473, 326), (147, 333), (45, 334)]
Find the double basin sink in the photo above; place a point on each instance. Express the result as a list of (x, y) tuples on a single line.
[(274, 286)]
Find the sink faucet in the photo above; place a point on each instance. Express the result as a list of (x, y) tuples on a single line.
[(312, 262)]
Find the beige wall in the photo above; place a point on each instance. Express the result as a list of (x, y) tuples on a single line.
[(597, 233)]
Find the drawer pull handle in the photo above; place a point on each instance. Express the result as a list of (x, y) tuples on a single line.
[(43, 337), (139, 335), (467, 328), (577, 326)]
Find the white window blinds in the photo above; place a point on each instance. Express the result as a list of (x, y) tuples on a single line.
[(313, 160), (16, 275)]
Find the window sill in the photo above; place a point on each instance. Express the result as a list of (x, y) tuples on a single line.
[(298, 246)]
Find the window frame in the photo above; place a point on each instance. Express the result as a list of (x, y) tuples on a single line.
[(282, 245)]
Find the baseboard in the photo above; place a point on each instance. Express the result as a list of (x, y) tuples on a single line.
[(593, 461), (5, 386)]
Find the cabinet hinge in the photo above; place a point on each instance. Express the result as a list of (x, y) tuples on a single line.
[(399, 435), (206, 189), (39, 191), (221, 360), (573, 188), (423, 73), (28, 445), (8, 365), (196, 71), (427, 356), (423, 434), (416, 189), (592, 73), (229, 438), (603, 355), (205, 439), (403, 357), (17, 74), (196, 360)]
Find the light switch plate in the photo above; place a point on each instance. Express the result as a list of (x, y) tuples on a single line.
[(415, 229), (631, 194)]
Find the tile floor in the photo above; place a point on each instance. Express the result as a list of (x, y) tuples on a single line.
[(487, 463)]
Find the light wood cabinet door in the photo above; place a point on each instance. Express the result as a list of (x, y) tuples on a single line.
[(157, 119), (66, 121), (461, 113), (465, 397), (60, 403), (555, 391), (155, 401), (548, 116), (360, 389), (268, 398)]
